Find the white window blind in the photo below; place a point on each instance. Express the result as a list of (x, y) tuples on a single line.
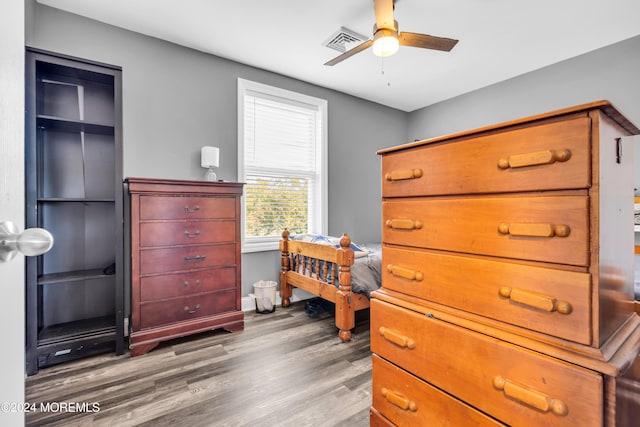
[(282, 163)]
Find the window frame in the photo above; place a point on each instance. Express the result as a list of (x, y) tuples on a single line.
[(321, 210)]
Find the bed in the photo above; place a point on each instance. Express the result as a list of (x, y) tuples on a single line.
[(332, 268)]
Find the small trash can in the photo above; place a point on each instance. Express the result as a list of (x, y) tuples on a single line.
[(264, 293)]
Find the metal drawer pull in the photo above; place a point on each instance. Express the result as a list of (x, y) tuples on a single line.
[(405, 273), (397, 339), (532, 398), (536, 300), (196, 208), (399, 400), (191, 236), (535, 230), (186, 283), (546, 157), (195, 258), (188, 310), (404, 224), (403, 174)]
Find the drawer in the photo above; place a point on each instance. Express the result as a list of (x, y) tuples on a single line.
[(515, 385), (163, 312), (187, 207), (186, 258), (540, 228), (408, 401), (376, 419), (551, 301), (186, 232), (175, 285), (546, 157)]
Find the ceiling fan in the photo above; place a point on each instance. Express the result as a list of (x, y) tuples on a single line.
[(387, 39)]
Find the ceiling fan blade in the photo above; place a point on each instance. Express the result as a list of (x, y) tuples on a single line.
[(426, 42), (384, 13), (362, 46)]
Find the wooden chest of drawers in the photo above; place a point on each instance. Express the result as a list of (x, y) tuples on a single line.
[(185, 259), (508, 273)]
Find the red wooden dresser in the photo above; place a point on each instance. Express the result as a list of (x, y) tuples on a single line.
[(185, 259)]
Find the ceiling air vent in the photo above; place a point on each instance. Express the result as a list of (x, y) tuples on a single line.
[(344, 39)]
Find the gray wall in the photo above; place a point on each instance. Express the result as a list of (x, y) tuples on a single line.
[(176, 100), (610, 73)]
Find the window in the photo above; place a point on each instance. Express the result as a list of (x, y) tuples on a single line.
[(282, 161)]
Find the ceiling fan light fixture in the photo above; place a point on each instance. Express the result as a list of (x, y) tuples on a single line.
[(385, 42)]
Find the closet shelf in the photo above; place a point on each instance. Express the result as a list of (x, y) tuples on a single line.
[(71, 276), (86, 328), (70, 125), (75, 200)]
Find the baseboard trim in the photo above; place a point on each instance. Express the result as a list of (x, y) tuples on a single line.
[(248, 303)]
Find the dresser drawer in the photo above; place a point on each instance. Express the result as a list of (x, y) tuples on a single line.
[(551, 301), (545, 157), (186, 232), (376, 419), (540, 228), (514, 385), (163, 312), (186, 258), (180, 284), (186, 207), (408, 401)]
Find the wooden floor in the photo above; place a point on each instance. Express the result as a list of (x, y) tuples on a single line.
[(284, 369)]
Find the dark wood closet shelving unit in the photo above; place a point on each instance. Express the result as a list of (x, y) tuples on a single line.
[(73, 179)]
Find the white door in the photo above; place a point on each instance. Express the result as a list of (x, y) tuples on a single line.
[(12, 295)]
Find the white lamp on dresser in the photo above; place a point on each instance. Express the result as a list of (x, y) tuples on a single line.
[(210, 158)]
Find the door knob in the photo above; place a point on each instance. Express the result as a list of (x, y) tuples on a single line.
[(31, 242)]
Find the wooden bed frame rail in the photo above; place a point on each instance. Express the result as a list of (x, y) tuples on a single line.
[(312, 267)]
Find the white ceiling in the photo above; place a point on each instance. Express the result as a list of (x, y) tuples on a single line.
[(499, 39)]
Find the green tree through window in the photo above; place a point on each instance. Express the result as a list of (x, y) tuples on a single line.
[(275, 204)]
